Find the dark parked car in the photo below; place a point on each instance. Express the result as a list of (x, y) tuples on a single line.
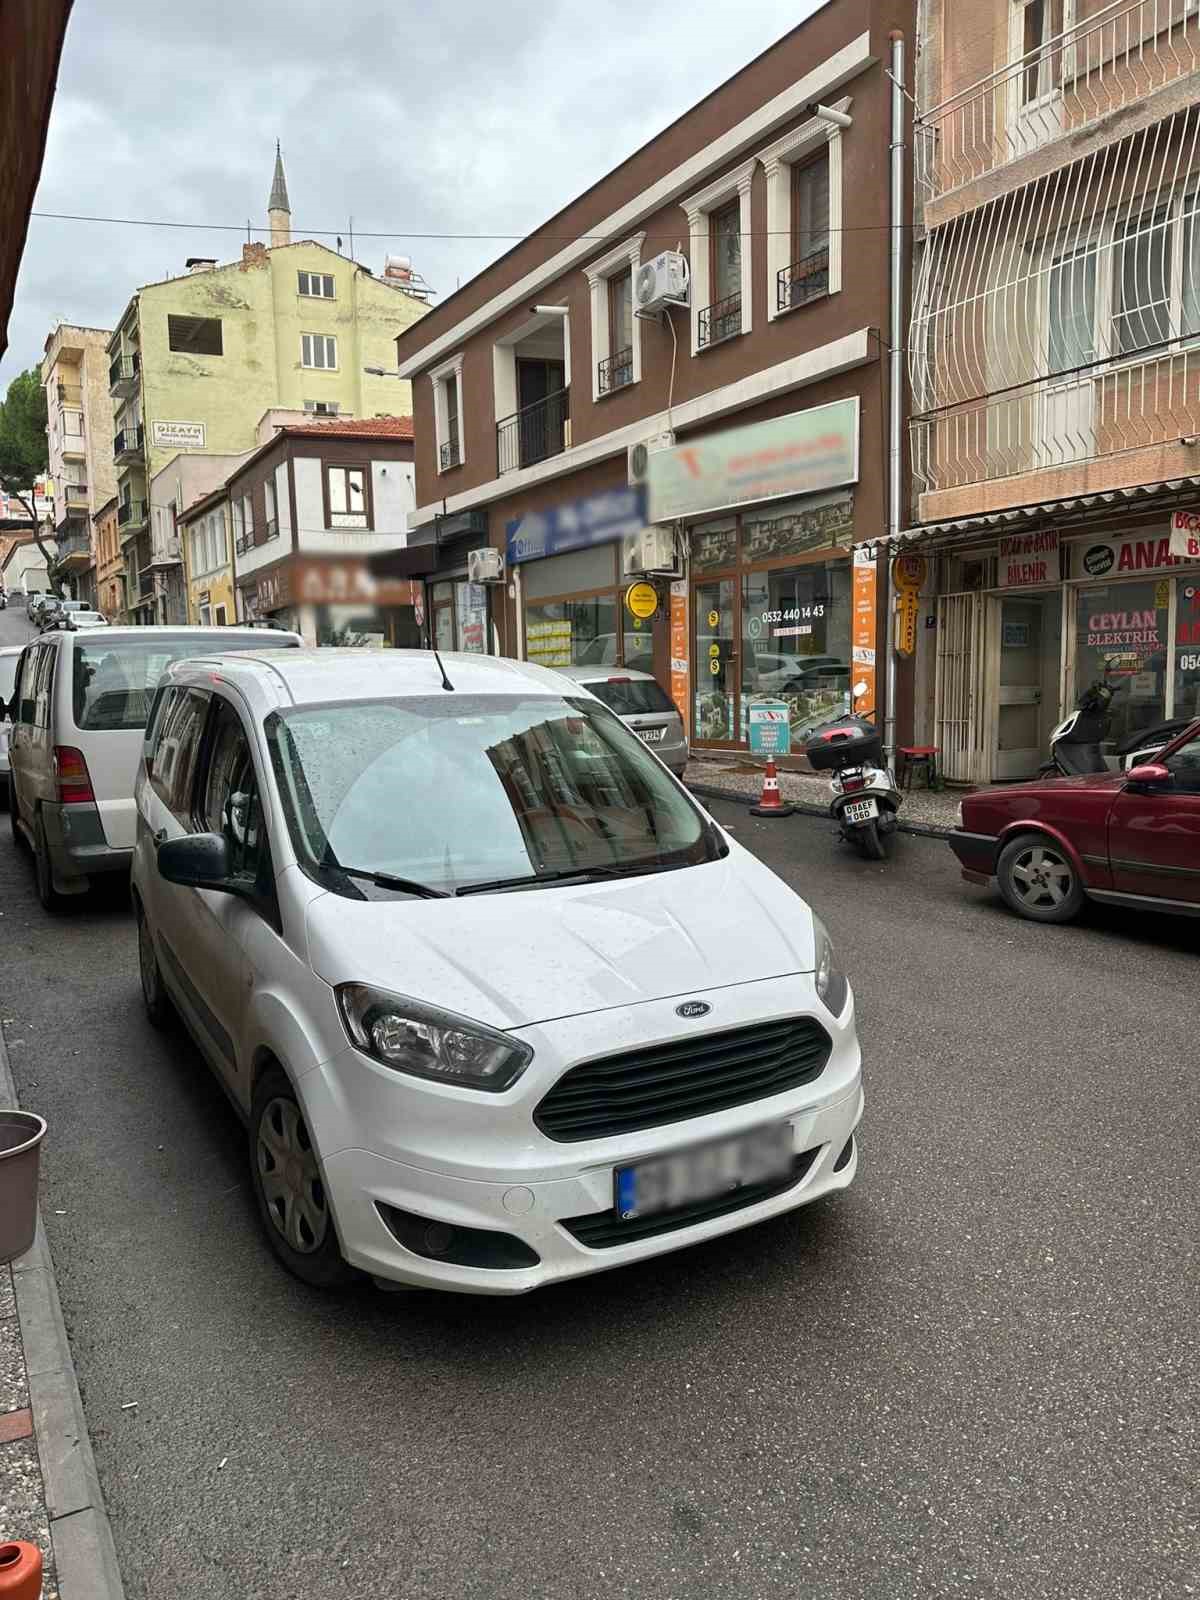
[(1132, 838)]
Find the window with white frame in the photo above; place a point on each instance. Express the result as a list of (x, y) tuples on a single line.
[(248, 518), (1037, 26), (616, 332), (316, 285), (322, 408), (269, 499), (319, 351), (447, 408), (804, 215), (721, 257), (239, 526)]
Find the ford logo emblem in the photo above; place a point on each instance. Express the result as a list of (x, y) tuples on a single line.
[(693, 1008)]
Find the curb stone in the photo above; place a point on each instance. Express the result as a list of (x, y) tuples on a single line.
[(710, 791), (85, 1557)]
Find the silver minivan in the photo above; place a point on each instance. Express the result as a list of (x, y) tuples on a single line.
[(79, 710), (643, 705)]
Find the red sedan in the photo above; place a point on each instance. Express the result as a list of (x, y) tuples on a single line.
[(1128, 838)]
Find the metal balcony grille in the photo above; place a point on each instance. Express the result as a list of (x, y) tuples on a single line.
[(720, 321), (533, 434), (128, 441), (124, 370), (805, 280), (615, 371), (448, 454), (131, 513)]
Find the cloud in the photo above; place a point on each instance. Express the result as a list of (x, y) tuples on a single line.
[(464, 117)]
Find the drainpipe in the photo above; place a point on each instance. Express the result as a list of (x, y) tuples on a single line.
[(895, 377)]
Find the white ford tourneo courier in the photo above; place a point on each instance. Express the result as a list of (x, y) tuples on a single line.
[(498, 1001)]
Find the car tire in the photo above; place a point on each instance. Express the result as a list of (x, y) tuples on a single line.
[(1038, 879), (289, 1187), (47, 894), (160, 1013)]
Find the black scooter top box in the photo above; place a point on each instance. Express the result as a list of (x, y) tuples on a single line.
[(846, 742)]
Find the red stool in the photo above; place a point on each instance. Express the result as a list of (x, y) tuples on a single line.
[(918, 755)]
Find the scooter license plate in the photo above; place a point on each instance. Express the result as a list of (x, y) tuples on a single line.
[(665, 1182), (861, 810)]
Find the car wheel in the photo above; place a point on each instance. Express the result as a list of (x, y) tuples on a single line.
[(159, 1009), (285, 1170), (1038, 879), (47, 894)]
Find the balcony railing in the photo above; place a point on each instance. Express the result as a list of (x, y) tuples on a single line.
[(449, 454), (72, 539), (1108, 62), (272, 529), (131, 514), (720, 321), (615, 371), (75, 496), (146, 585), (123, 373), (534, 433), (1150, 402), (128, 442), (805, 280)]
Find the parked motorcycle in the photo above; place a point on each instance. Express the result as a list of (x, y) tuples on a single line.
[(1076, 745), (865, 796)]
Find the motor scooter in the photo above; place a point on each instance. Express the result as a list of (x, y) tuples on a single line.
[(1076, 745), (866, 798)]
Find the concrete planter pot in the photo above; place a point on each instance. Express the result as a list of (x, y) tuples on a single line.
[(21, 1135)]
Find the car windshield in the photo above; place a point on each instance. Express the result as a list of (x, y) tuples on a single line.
[(467, 789), (115, 680), (632, 697)]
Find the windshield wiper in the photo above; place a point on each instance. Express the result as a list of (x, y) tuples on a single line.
[(385, 880), (572, 875)]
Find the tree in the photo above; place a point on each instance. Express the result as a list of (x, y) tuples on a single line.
[(23, 448)]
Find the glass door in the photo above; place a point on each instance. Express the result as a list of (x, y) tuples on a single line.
[(715, 711)]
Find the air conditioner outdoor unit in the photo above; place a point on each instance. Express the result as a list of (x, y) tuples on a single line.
[(485, 566), (650, 550), (638, 459), (662, 282)]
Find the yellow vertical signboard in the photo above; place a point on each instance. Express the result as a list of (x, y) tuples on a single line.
[(862, 629)]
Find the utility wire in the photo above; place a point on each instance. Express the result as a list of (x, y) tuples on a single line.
[(362, 233)]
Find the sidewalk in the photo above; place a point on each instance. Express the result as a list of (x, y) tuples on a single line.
[(924, 810), (49, 1491)]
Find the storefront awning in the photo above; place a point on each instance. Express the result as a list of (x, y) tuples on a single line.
[(416, 561), (1079, 509)]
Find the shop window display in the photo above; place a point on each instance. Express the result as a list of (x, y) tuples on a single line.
[(796, 643)]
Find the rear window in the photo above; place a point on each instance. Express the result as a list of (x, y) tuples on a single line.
[(632, 697), (115, 682)]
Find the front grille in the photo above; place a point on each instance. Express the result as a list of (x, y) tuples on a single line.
[(604, 1230), (687, 1078)]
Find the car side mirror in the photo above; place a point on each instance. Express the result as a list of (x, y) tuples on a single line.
[(1150, 772), (197, 861)]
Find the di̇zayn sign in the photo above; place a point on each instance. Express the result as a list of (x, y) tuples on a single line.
[(798, 454)]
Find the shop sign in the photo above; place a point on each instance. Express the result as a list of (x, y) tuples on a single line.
[(679, 648), (802, 453), (1029, 559), (862, 628), (906, 621), (178, 435), (596, 519), (340, 582), (909, 570), (1185, 535), (642, 600), (770, 728), (273, 590), (1118, 558)]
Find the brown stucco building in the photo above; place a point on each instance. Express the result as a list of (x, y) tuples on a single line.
[(596, 421)]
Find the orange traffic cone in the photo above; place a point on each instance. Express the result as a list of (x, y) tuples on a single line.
[(771, 804), (20, 1571)]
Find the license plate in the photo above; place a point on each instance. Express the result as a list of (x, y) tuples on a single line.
[(861, 810), (652, 735), (663, 1183)]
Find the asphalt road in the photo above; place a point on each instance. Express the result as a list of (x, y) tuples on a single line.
[(973, 1374)]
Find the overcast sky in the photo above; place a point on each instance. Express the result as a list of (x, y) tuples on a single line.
[(387, 113)]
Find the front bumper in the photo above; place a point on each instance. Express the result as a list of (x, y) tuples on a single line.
[(76, 843), (976, 853), (359, 1182)]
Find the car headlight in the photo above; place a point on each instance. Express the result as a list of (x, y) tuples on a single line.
[(410, 1037), (832, 985)]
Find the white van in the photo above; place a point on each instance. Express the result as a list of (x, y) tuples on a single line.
[(79, 710)]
